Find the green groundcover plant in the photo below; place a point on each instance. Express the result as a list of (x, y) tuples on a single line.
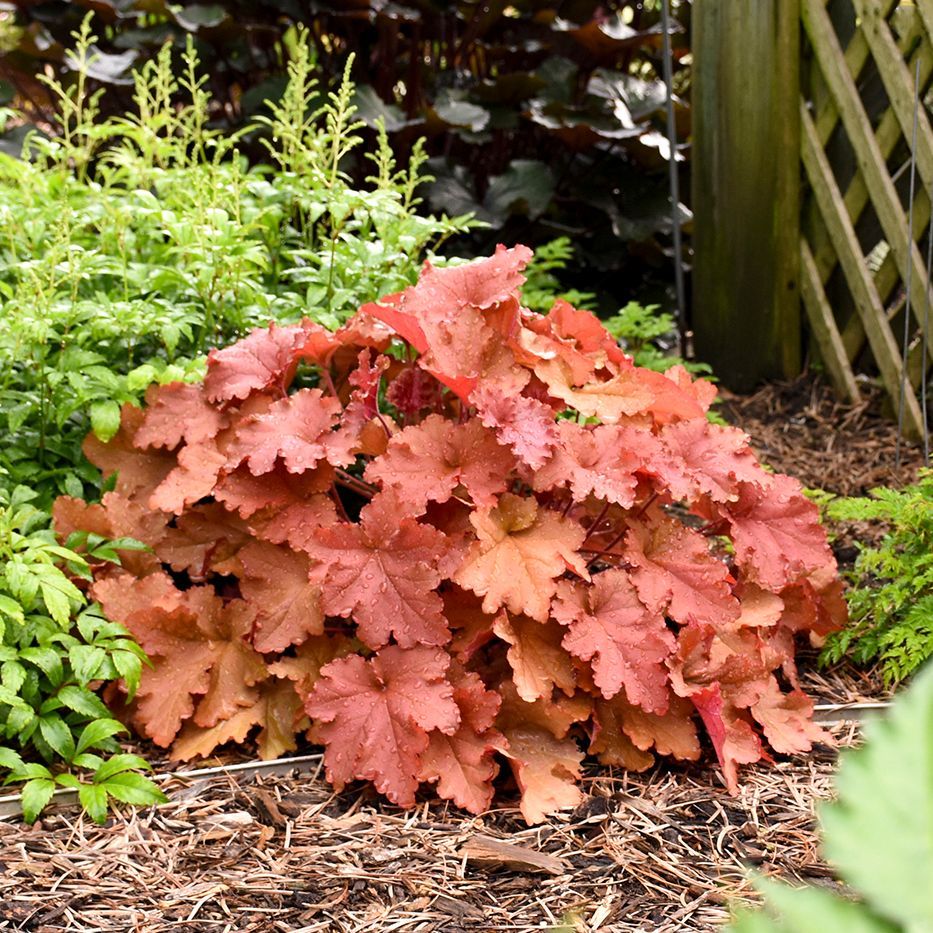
[(878, 834), (54, 649), (891, 599)]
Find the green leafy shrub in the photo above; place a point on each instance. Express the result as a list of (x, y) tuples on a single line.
[(878, 834), (541, 118), (133, 243), (54, 649), (891, 600)]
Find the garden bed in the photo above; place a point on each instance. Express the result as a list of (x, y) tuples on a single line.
[(276, 849)]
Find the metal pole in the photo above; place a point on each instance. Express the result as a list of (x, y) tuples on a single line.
[(907, 282), (674, 179)]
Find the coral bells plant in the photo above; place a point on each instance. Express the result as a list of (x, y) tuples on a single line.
[(452, 533)]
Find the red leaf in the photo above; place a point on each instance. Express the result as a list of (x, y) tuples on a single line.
[(675, 572), (389, 310), (787, 719), (673, 733), (519, 553), (375, 717), (611, 400), (203, 541), (471, 628), (303, 668), (702, 392), (715, 460), (760, 608), (138, 472), (592, 459), (365, 330), (427, 462), (277, 710), (200, 641), (178, 412), (738, 661), (265, 359), (521, 423), (733, 737), (627, 643), (194, 478), (546, 765), (462, 763), (609, 740), (815, 604), (287, 605), (481, 284), (777, 533), (115, 517), (383, 572), (442, 316), (276, 489), (576, 338), (538, 662), (295, 524), (413, 390), (362, 405), (296, 428)]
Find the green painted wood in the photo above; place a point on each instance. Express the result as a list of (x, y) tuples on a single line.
[(746, 189)]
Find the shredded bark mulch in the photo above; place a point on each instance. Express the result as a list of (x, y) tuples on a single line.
[(667, 850), (802, 428)]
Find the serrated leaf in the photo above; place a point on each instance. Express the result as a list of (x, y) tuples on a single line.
[(81, 700), (12, 675), (134, 789), (105, 419), (93, 799), (86, 661), (10, 759), (87, 760), (12, 609), (58, 735), (117, 764), (47, 660), (129, 666), (95, 733), (30, 770), (34, 797)]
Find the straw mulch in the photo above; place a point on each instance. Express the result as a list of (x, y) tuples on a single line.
[(662, 851)]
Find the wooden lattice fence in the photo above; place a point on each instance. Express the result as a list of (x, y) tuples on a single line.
[(853, 255)]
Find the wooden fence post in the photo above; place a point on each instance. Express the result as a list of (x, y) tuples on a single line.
[(746, 189)]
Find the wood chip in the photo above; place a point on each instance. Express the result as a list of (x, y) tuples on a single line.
[(495, 853)]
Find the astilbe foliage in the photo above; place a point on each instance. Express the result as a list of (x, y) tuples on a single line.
[(456, 531)]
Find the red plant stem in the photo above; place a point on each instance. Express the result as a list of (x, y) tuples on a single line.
[(644, 506), (605, 552), (349, 481), (608, 548), (382, 420), (335, 495), (329, 382), (596, 522)]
